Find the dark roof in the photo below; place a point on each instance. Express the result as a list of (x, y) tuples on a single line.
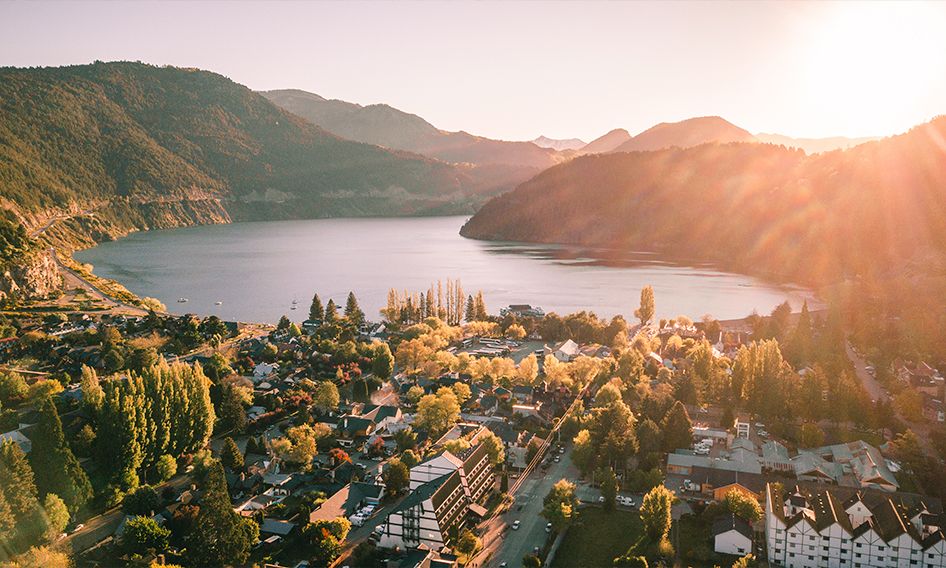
[(721, 478), (472, 457), (725, 523), (425, 491)]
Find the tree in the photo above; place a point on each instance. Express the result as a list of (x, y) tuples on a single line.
[(55, 468), (645, 313), (142, 501), (331, 312), (462, 391), (316, 312), (655, 512), (531, 561), (480, 305), (19, 492), (494, 448), (397, 477), (470, 312), (382, 365), (326, 396), (811, 435), (728, 419), (532, 449), (456, 446), (166, 467), (609, 489), (232, 414), (678, 432), (409, 458), (359, 390), (405, 439), (468, 543), (352, 312), (221, 536), (504, 483), (144, 534), (561, 505), (738, 503), (230, 455), (56, 513), (583, 452), (284, 323), (438, 412)]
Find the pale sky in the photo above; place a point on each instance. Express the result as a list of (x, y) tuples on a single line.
[(517, 70)]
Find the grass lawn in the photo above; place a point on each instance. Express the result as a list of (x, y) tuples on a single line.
[(598, 538)]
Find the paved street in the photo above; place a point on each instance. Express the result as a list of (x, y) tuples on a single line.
[(501, 543)]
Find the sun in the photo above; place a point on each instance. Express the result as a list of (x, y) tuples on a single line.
[(866, 61)]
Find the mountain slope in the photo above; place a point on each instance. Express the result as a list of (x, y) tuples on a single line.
[(756, 208), (569, 144), (120, 135), (608, 142), (686, 133), (815, 145)]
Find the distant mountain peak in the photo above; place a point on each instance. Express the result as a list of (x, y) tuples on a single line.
[(608, 142), (566, 144), (686, 133)]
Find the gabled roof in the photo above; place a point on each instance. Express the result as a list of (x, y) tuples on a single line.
[(725, 523), (425, 491)]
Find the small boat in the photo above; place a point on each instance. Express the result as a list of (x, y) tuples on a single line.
[(218, 303), (181, 300), (295, 301), (292, 308)]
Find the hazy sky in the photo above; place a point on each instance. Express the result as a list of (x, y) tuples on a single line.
[(517, 70)]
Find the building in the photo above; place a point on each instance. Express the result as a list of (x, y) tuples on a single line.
[(732, 535), (866, 529)]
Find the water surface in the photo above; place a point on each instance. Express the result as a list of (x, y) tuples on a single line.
[(255, 271)]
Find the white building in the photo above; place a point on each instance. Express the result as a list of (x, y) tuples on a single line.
[(814, 530), (732, 535)]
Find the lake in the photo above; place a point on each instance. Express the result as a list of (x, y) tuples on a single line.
[(255, 271)]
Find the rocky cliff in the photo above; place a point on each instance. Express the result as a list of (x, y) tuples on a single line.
[(36, 278)]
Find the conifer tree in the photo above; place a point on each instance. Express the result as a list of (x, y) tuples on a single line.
[(316, 312), (331, 311), (352, 312), (54, 467), (221, 536), (230, 455), (19, 492), (470, 310)]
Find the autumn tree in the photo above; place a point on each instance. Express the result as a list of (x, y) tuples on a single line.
[(494, 448), (438, 412), (326, 396), (655, 512)]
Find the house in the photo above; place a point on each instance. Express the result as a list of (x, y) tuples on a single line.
[(933, 409), (425, 517), (382, 416), (732, 535), (350, 428), (17, 436), (347, 500), (564, 351), (718, 482), (879, 530), (423, 558)]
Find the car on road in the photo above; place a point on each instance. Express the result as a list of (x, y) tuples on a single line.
[(548, 527), (515, 525), (558, 459), (78, 528), (503, 565), (536, 551)]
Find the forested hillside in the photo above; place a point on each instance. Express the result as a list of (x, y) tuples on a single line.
[(755, 208), (124, 134)]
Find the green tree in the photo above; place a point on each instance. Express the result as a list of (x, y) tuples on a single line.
[(57, 514), (504, 483), (728, 419), (326, 396), (13, 389), (533, 449), (359, 390), (470, 312), (19, 492), (811, 435), (221, 536), (166, 467), (414, 394), (331, 312), (142, 501), (382, 364), (655, 512), (468, 543), (561, 505), (645, 313), (397, 478), (438, 412), (55, 468), (352, 312), (609, 488), (405, 439), (531, 561), (316, 312), (583, 452), (494, 447), (230, 455), (232, 413), (738, 503), (409, 458), (677, 429), (144, 534)]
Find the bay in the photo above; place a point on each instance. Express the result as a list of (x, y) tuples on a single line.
[(257, 272)]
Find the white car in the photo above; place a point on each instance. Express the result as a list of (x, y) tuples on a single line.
[(548, 528), (515, 525)]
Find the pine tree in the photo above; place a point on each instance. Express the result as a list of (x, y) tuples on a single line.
[(331, 311), (316, 312), (221, 537), (470, 310), (230, 455), (54, 467), (352, 312), (232, 413)]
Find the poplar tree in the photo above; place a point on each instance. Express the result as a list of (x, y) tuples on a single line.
[(19, 493), (481, 314), (647, 307), (221, 536), (54, 467), (316, 312)]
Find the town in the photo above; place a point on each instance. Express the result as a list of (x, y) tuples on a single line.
[(443, 436)]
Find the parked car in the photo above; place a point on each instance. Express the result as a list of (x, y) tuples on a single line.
[(548, 527), (515, 525)]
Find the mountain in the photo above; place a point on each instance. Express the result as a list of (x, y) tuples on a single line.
[(569, 144), (144, 147), (494, 165), (608, 142), (755, 208), (686, 133), (815, 145)]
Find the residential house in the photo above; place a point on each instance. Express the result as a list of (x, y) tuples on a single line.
[(732, 535), (565, 351), (347, 500), (351, 429)]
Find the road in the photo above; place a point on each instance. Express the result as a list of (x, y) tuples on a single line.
[(500, 542)]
